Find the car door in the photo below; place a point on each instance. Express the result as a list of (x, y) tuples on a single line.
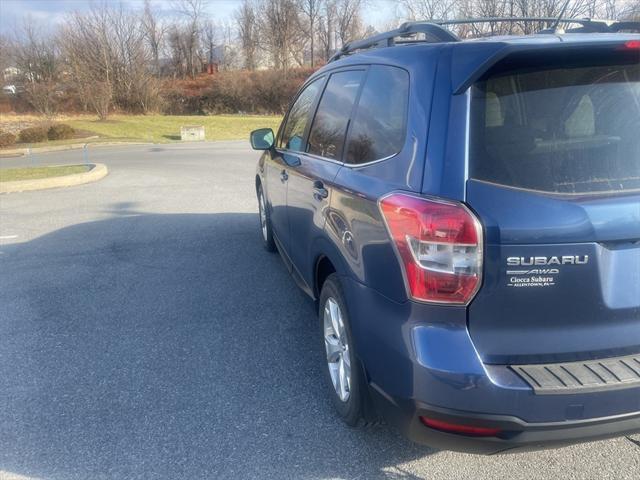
[(311, 178), (290, 143)]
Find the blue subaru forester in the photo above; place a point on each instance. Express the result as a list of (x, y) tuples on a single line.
[(466, 214)]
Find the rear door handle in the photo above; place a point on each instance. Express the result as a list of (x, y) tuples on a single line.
[(319, 192), (284, 176)]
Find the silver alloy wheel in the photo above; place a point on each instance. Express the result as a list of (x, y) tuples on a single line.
[(263, 216), (337, 348)]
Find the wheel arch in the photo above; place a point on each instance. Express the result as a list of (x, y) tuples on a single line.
[(323, 268), (327, 259)]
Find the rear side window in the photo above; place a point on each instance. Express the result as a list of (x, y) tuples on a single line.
[(293, 131), (329, 127), (379, 125), (563, 130)]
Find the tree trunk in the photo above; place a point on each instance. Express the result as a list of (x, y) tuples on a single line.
[(311, 32)]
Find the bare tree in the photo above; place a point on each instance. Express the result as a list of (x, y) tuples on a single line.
[(448, 9), (135, 88), (188, 35), (629, 11), (176, 52), (109, 61), (38, 58), (549, 8), (348, 25), (229, 52), (6, 53), (339, 22), (281, 32), (154, 33), (101, 98), (43, 97), (326, 28), (209, 39), (430, 9), (36, 53), (247, 23), (492, 9), (86, 42), (311, 11)]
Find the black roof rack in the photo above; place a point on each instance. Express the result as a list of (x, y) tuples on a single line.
[(580, 21), (435, 31), (587, 25)]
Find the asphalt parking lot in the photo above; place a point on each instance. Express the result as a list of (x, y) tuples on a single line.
[(145, 334)]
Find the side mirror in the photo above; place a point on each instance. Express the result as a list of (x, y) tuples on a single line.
[(262, 139)]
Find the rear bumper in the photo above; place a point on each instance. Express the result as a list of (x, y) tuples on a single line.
[(515, 435), (420, 361)]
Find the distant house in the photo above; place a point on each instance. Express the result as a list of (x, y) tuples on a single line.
[(216, 57), (209, 68), (10, 73)]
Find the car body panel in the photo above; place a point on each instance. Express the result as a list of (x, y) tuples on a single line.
[(583, 311), (275, 167), (442, 368), (307, 208)]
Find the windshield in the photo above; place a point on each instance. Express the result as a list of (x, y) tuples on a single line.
[(561, 130)]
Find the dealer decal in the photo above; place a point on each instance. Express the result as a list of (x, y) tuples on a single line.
[(535, 272)]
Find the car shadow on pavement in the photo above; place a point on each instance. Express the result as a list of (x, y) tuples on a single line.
[(169, 346)]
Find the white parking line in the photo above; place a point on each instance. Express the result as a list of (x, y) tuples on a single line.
[(14, 476), (8, 237)]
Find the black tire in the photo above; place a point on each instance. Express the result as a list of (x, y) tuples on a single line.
[(353, 411), (266, 230)]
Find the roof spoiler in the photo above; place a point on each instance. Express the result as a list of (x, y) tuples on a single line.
[(476, 59)]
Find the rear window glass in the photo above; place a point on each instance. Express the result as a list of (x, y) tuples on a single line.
[(378, 129), (562, 130), (329, 126)]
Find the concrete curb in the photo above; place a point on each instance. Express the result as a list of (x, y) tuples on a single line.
[(98, 171), (21, 152)]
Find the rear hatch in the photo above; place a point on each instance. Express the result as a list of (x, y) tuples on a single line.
[(554, 175)]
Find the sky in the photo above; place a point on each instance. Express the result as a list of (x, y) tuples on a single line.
[(52, 12)]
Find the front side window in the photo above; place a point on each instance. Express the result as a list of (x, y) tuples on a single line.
[(293, 132), (561, 130), (329, 127), (379, 125)]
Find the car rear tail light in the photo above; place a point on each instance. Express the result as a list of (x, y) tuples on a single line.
[(439, 244), (470, 430), (632, 45)]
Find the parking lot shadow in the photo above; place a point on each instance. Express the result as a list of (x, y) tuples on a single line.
[(168, 347)]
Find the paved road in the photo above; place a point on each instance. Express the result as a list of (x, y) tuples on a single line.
[(144, 334)]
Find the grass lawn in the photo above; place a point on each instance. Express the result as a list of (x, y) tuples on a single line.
[(156, 128), (33, 173), (165, 128)]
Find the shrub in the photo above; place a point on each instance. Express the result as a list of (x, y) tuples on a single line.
[(60, 131), (33, 135), (7, 139), (43, 97), (177, 102), (101, 98), (261, 91)]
